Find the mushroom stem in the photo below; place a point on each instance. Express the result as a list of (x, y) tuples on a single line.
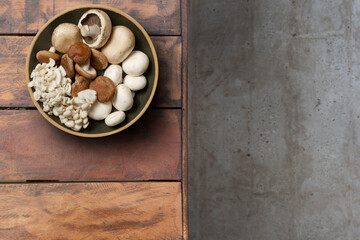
[(86, 66), (90, 31), (52, 49)]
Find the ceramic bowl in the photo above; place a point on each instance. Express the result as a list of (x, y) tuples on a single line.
[(42, 41)]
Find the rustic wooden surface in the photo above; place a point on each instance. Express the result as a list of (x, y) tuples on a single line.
[(14, 93), (155, 148), (158, 17), (32, 149), (140, 210)]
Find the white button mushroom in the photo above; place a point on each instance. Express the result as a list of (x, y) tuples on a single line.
[(123, 99), (115, 118), (99, 111), (136, 63), (114, 72), (135, 83), (119, 45)]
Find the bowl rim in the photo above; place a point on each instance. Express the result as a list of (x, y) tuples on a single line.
[(96, 135)]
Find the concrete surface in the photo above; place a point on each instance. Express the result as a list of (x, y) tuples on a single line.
[(274, 96)]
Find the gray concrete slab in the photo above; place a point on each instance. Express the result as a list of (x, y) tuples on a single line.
[(274, 92)]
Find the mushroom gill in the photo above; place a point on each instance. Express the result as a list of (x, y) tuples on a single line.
[(91, 28)]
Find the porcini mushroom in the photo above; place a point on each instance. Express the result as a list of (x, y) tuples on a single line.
[(44, 56), (136, 63), (98, 60), (95, 27), (65, 35), (119, 45), (68, 64)]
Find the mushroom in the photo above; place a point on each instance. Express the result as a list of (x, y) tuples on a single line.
[(95, 27), (80, 53), (65, 35), (114, 72), (135, 83), (79, 85), (88, 95), (104, 88), (99, 110), (86, 71), (98, 60), (115, 118), (136, 63), (123, 99), (68, 64), (44, 56), (119, 45)]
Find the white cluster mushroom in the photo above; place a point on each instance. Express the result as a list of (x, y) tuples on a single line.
[(75, 115), (51, 85), (53, 89)]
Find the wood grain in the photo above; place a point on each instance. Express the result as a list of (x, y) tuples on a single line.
[(14, 93), (169, 87), (27, 16), (110, 210), (24, 16), (32, 149), (158, 17)]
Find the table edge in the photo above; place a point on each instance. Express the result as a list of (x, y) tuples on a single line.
[(184, 185)]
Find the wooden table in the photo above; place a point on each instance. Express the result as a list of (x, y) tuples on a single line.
[(132, 185)]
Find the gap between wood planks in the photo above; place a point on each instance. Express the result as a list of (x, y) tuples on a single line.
[(81, 181), (34, 108), (33, 35)]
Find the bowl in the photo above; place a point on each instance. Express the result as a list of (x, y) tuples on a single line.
[(142, 99)]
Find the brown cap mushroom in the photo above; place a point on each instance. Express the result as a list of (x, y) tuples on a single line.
[(80, 84), (95, 27), (86, 71), (104, 88), (79, 52), (68, 64), (120, 44), (98, 60), (65, 35), (43, 56)]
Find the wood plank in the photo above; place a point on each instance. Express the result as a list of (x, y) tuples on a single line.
[(24, 16), (27, 16), (142, 210), (14, 93), (33, 149), (158, 17), (168, 93)]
